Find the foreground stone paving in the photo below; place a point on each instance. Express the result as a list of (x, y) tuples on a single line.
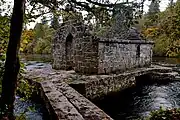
[(60, 104)]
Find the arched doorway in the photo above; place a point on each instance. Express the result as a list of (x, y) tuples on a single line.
[(69, 52)]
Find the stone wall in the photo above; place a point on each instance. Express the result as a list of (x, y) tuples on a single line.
[(63, 45), (119, 55), (74, 48), (86, 55), (63, 48), (96, 86)]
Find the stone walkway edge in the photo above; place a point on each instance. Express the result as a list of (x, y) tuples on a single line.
[(68, 104)]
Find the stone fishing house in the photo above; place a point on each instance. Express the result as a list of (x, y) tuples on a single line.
[(75, 48)]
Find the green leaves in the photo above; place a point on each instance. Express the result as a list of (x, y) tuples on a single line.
[(43, 38), (165, 31), (165, 114), (4, 37), (4, 33)]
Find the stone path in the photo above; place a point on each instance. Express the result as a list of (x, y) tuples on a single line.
[(68, 104)]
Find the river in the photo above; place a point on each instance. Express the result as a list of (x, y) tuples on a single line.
[(22, 107), (137, 102), (38, 112)]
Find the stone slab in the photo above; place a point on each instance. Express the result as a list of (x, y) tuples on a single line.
[(68, 104), (87, 109), (63, 109)]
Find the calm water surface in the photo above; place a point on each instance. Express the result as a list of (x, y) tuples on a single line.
[(166, 60), (43, 58)]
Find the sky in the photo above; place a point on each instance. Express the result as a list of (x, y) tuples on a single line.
[(163, 6)]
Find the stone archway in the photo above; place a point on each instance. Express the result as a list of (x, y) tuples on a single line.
[(69, 52), (64, 43)]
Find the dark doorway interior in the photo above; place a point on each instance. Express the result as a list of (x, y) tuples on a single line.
[(69, 52)]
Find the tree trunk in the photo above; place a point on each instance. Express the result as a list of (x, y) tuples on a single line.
[(12, 64)]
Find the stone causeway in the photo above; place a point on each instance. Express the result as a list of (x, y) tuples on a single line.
[(67, 94)]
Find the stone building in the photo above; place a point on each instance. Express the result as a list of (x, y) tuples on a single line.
[(74, 48)]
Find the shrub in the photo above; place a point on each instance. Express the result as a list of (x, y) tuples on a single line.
[(165, 114)]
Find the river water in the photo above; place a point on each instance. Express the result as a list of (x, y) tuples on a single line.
[(22, 109), (38, 111), (130, 104), (137, 102)]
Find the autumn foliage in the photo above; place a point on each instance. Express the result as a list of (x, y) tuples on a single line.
[(166, 32)]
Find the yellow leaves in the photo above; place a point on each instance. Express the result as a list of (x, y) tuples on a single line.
[(26, 38), (151, 32), (166, 32), (21, 49), (27, 34), (25, 41), (174, 49)]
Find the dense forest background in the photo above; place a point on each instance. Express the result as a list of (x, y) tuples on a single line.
[(161, 27)]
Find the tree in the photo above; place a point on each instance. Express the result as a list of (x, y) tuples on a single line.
[(12, 64), (152, 15), (43, 38), (154, 7), (55, 22), (26, 38), (99, 9), (171, 2), (166, 33)]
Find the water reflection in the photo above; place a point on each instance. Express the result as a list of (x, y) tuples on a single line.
[(36, 57), (137, 102), (166, 60)]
